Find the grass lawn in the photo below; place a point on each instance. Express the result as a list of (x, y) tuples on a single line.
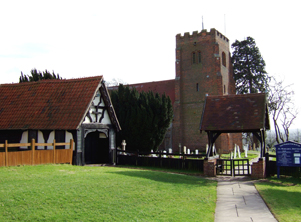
[(251, 155), (76, 193), (283, 197)]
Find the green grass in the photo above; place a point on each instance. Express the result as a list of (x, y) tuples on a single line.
[(251, 155), (75, 193), (165, 170), (283, 197)]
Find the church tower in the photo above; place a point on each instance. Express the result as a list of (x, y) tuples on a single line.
[(203, 67)]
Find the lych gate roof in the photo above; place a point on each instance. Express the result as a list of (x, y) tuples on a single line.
[(46, 104), (235, 113)]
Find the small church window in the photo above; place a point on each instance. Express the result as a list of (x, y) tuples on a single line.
[(199, 57), (197, 87), (193, 58), (224, 59)]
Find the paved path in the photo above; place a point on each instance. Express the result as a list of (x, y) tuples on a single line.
[(238, 200)]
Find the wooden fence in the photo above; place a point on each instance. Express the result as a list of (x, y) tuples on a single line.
[(34, 156), (162, 160)]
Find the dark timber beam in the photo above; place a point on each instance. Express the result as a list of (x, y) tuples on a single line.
[(261, 137), (212, 136)]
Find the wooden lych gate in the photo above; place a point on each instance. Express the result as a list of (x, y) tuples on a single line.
[(247, 113)]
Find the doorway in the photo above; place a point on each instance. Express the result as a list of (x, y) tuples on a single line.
[(96, 149)]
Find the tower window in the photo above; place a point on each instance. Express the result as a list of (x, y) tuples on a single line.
[(199, 57), (193, 58), (224, 59), (197, 87)]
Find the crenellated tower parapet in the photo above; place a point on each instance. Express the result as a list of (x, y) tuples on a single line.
[(199, 36)]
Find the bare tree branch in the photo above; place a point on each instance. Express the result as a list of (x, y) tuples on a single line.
[(281, 108)]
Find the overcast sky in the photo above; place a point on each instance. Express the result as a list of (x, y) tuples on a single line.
[(135, 40)]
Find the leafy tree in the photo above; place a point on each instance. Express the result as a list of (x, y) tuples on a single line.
[(38, 75), (144, 117), (249, 67)]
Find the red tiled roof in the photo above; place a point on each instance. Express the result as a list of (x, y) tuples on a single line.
[(239, 113), (47, 104), (160, 87)]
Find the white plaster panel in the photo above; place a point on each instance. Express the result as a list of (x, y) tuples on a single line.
[(50, 140), (106, 118), (68, 137), (40, 140), (24, 139)]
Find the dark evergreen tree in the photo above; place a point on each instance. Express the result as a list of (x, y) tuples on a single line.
[(249, 67), (144, 118), (38, 75)]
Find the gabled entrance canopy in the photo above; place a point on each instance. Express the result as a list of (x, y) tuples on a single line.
[(235, 114)]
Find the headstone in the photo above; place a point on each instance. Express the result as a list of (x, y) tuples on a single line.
[(184, 149), (153, 155), (238, 151), (169, 150), (123, 144), (164, 156), (235, 150), (197, 152), (246, 148), (188, 151)]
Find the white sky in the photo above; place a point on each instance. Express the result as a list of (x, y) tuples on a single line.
[(135, 40)]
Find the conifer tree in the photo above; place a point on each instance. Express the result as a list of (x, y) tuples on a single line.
[(38, 75), (144, 117), (249, 67)]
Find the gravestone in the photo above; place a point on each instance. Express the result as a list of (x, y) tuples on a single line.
[(246, 148)]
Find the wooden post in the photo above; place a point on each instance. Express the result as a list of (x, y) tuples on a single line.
[(71, 151), (6, 153), (54, 151), (32, 150)]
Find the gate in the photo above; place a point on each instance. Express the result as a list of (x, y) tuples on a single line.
[(224, 167), (232, 167)]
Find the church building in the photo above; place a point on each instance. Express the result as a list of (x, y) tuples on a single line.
[(203, 67)]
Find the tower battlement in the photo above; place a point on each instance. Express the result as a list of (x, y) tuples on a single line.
[(203, 34)]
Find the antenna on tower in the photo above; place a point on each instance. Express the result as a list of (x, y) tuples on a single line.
[(202, 23)]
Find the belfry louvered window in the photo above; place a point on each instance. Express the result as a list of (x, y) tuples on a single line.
[(193, 58), (199, 57)]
